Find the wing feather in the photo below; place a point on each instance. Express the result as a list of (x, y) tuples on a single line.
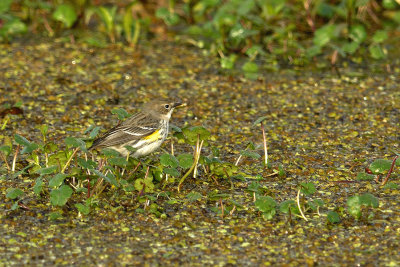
[(134, 128)]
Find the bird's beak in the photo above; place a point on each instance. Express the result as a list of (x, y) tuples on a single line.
[(179, 104)]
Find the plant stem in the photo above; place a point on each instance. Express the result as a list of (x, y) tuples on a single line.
[(222, 208), (265, 145), (298, 205), (197, 158), (194, 165), (237, 161), (390, 171), (15, 159), (5, 161), (69, 160), (196, 151), (186, 175)]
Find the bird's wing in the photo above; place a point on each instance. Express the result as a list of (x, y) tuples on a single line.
[(128, 131)]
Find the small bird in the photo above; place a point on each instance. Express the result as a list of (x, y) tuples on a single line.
[(144, 131)]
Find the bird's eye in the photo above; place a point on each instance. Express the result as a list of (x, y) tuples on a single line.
[(166, 106)]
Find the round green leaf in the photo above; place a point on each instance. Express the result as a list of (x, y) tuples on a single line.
[(13, 193), (169, 160), (60, 196), (333, 217), (358, 33), (185, 160), (380, 166)]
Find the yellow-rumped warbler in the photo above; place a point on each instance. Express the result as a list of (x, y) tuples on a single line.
[(144, 131)]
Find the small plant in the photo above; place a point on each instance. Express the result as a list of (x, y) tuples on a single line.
[(379, 167), (359, 205), (66, 14), (267, 206), (197, 136), (14, 194)]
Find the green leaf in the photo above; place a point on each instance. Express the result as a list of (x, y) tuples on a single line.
[(48, 170), (324, 35), (6, 150), (169, 160), (313, 51), (14, 193), (325, 10), (38, 187), (15, 206), (250, 154), (354, 206), (13, 27), (60, 196), (351, 47), (250, 66), (75, 142), (55, 216), (118, 161), (107, 16), (30, 148), (308, 188), (265, 203), (109, 152), (193, 132), (333, 217), (94, 132), (146, 183), (121, 113), (380, 166), (86, 164), (315, 204), (66, 14), (109, 177), (362, 176), (380, 36), (358, 33), (255, 50), (169, 18), (376, 51), (50, 147), (171, 171), (369, 200), (228, 62), (85, 210), (215, 196), (5, 6), (224, 169), (57, 180), (281, 171), (391, 185), (43, 129), (21, 140), (269, 214), (259, 120), (193, 196), (289, 206), (185, 160), (390, 4)]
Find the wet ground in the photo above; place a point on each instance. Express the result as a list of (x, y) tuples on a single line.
[(321, 127)]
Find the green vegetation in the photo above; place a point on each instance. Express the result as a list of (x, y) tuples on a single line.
[(250, 35), (64, 173), (298, 166)]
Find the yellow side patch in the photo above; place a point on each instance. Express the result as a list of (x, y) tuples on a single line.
[(153, 137)]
